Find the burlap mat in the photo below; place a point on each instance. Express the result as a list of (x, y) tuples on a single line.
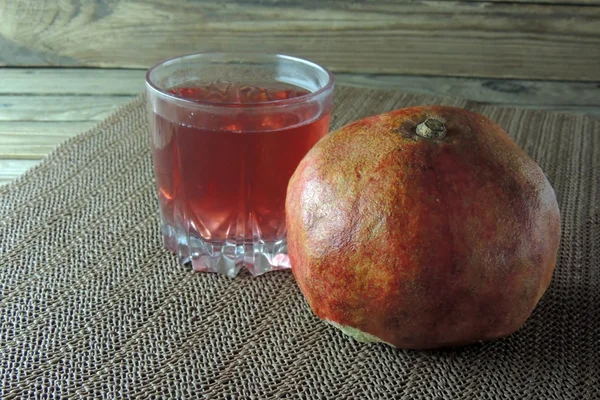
[(93, 307)]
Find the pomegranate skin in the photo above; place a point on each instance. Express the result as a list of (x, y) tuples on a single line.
[(422, 242)]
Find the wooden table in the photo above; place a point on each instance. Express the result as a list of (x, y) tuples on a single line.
[(41, 107)]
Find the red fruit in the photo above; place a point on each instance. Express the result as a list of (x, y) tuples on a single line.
[(423, 227)]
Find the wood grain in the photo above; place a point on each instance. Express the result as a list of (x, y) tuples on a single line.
[(24, 140), (580, 97), (59, 108), (575, 97), (71, 81), (11, 169), (448, 38)]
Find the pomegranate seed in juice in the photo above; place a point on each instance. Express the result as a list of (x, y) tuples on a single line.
[(227, 181)]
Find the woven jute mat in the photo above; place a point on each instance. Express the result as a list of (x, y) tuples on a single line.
[(93, 307)]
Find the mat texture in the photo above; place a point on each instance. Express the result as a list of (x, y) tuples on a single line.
[(93, 307)]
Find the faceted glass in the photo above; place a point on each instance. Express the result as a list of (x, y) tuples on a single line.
[(227, 132)]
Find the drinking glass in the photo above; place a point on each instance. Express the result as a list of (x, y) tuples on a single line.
[(227, 132)]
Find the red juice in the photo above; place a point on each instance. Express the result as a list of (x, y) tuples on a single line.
[(225, 177)]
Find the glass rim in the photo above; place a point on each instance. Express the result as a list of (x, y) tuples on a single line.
[(215, 55)]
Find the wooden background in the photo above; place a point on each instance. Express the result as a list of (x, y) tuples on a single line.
[(539, 39), (66, 64)]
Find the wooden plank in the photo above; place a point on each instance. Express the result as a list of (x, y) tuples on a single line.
[(577, 97), (71, 81), (34, 140), (58, 108), (583, 97), (11, 169), (449, 38)]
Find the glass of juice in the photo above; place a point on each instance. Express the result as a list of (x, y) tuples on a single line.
[(227, 132)]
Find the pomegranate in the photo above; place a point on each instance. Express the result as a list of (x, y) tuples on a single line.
[(424, 227)]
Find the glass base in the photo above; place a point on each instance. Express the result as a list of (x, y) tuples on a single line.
[(228, 257)]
